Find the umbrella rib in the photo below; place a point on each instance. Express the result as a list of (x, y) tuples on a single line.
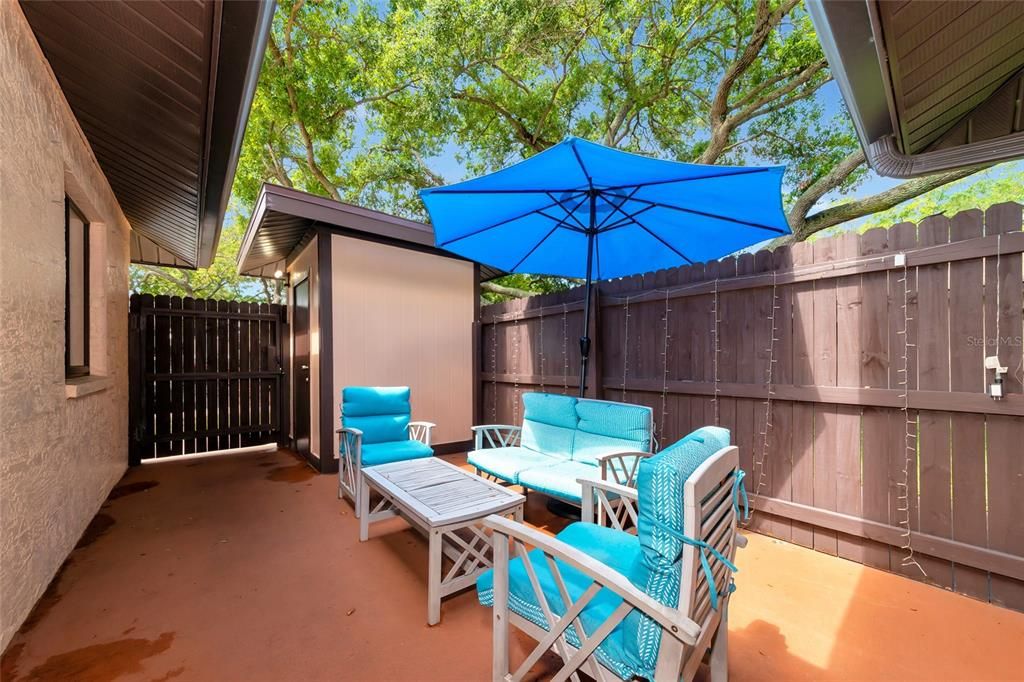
[(657, 204), (629, 217), (535, 247), (562, 221), (618, 206), (672, 248), (632, 218), (579, 160), (745, 171), (498, 224), (572, 213)]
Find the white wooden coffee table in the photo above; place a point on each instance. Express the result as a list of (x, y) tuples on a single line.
[(448, 504)]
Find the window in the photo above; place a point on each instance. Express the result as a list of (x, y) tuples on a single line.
[(76, 300)]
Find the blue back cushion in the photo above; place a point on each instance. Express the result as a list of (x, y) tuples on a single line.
[(606, 427), (381, 413), (549, 423), (660, 482)]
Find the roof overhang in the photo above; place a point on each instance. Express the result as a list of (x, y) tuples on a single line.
[(930, 86), (285, 220), (162, 92)]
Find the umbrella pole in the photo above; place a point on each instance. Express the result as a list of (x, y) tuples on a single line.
[(585, 338)]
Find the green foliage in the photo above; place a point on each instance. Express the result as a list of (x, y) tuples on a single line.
[(530, 283), (1004, 182), (364, 101)]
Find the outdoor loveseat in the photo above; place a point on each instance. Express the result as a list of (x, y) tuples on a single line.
[(563, 439)]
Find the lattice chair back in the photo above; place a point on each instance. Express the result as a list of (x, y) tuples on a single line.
[(709, 540)]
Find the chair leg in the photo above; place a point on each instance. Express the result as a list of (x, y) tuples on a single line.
[(357, 494), (719, 662)]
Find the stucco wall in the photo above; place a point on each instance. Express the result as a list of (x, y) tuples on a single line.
[(59, 456)]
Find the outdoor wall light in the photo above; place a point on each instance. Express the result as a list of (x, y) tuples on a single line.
[(278, 274), (995, 389)]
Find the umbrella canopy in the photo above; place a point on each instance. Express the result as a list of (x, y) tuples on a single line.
[(580, 209), (643, 214)]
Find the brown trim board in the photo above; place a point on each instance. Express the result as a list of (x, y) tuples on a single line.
[(325, 286)]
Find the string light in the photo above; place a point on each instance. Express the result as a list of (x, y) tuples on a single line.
[(664, 379), (717, 350), (910, 430), (540, 345), (515, 369), (494, 370), (565, 347), (625, 348), (759, 464)]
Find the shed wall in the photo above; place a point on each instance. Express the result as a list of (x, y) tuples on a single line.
[(405, 318)]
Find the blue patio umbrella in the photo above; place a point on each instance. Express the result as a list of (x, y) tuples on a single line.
[(579, 209)]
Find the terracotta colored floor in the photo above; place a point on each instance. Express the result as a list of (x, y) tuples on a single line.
[(247, 567)]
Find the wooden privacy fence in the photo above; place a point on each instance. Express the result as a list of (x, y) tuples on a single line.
[(865, 419), (204, 375)]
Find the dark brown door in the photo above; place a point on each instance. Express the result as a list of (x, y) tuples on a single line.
[(301, 366)]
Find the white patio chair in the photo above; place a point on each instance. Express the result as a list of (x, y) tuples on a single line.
[(619, 606)]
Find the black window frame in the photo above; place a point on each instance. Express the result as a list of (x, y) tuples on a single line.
[(73, 371)]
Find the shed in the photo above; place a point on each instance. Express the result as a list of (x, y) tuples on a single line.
[(371, 302)]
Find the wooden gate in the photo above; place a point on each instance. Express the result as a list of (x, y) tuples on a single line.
[(204, 375)]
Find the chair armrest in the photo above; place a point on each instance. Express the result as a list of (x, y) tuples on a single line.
[(421, 431), (350, 448), (597, 507), (609, 486), (622, 466), (672, 620), (496, 435)]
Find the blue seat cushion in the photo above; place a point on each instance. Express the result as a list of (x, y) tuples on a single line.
[(607, 427), (559, 479), (549, 423), (395, 451), (620, 551), (506, 463)]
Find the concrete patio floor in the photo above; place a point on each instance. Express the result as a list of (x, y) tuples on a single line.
[(247, 567)]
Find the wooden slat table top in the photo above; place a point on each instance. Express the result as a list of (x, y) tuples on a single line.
[(440, 493)]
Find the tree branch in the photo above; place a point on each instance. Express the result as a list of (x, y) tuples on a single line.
[(160, 273), (307, 140), (721, 124), (503, 290), (879, 202), (822, 186)]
